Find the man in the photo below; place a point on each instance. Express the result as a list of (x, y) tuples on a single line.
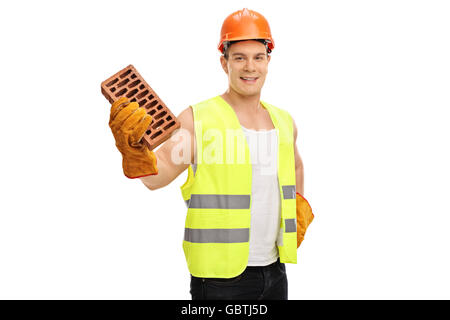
[(244, 221)]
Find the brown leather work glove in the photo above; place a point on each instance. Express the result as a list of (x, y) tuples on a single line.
[(128, 124), (304, 217)]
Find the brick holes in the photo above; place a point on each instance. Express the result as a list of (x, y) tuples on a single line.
[(128, 82)]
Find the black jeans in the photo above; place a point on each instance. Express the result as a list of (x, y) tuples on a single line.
[(255, 283)]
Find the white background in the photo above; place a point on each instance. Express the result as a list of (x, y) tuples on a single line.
[(367, 83)]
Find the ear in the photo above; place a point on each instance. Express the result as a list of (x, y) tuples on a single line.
[(268, 58), (223, 62)]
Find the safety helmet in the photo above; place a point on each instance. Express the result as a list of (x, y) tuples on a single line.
[(245, 25)]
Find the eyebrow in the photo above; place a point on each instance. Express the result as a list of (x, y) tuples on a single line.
[(243, 54)]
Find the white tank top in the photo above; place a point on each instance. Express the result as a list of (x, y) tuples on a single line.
[(266, 204)]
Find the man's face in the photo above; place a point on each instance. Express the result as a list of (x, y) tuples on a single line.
[(246, 67)]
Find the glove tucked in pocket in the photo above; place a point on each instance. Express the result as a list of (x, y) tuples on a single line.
[(304, 217)]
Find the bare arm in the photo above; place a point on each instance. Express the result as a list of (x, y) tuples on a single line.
[(299, 177), (175, 154)]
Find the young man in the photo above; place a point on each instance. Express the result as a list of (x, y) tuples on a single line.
[(246, 217)]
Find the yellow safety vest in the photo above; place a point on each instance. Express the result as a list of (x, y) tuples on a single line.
[(218, 193)]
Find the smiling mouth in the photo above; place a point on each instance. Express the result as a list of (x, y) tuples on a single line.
[(249, 79)]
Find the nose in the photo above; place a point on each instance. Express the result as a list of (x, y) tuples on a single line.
[(249, 66)]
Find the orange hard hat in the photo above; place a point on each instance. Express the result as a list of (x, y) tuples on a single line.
[(245, 25)]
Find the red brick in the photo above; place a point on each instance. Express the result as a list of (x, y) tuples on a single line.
[(129, 83)]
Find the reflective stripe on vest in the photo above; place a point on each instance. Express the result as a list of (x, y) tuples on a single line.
[(288, 192), (226, 201), (219, 201), (217, 235), (290, 225)]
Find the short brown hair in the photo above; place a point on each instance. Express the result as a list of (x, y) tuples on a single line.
[(227, 45)]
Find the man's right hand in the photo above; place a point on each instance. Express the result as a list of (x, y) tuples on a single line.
[(128, 123)]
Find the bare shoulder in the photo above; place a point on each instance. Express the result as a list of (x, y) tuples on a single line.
[(186, 118), (187, 134), (295, 129)]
